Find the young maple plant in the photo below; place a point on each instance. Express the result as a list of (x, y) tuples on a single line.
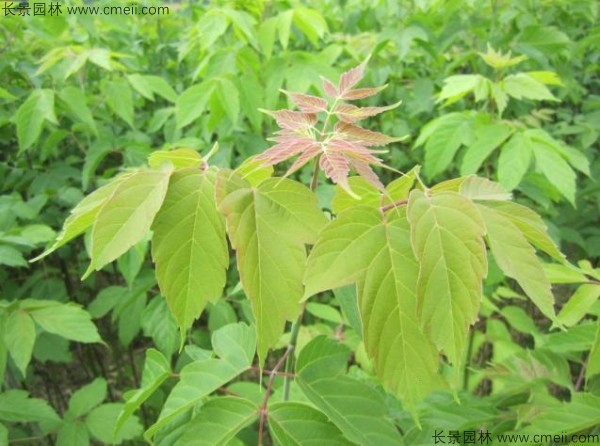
[(416, 255)]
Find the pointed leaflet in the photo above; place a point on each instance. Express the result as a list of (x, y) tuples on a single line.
[(442, 138), (292, 423), (31, 115), (363, 137), (218, 421), (19, 336), (189, 245), (577, 415), (516, 257), (530, 224), (84, 215), (514, 160), (234, 344), (363, 246), (307, 103), (447, 239), (86, 398), (69, 320), (357, 409), (17, 407), (404, 357), (579, 304), (126, 216), (268, 226), (556, 169), (488, 138)]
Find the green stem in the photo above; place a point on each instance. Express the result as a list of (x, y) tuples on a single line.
[(315, 177), (466, 371), (289, 362)]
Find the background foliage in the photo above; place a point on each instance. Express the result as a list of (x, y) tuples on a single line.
[(87, 97)]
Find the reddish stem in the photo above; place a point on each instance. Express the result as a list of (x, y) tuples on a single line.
[(268, 372), (263, 409), (393, 205)]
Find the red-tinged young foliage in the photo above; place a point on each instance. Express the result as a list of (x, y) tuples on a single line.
[(338, 144)]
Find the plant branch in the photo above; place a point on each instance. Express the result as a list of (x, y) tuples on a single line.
[(268, 372), (393, 205), (263, 408)]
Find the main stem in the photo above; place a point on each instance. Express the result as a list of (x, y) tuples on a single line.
[(289, 362)]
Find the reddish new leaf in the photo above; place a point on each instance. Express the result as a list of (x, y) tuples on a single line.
[(307, 103), (336, 167), (330, 89), (350, 78), (364, 170), (351, 132), (351, 113), (293, 120), (338, 150), (309, 153), (289, 145), (355, 150)]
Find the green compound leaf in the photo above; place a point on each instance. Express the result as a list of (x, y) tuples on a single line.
[(370, 195), (516, 257), (477, 188), (268, 226), (442, 138), (530, 224), (292, 423), (126, 216), (365, 247), (487, 139), (556, 169), (524, 86), (235, 345), (447, 239), (84, 214), (579, 304), (73, 433), (358, 410), (189, 245), (219, 421)]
